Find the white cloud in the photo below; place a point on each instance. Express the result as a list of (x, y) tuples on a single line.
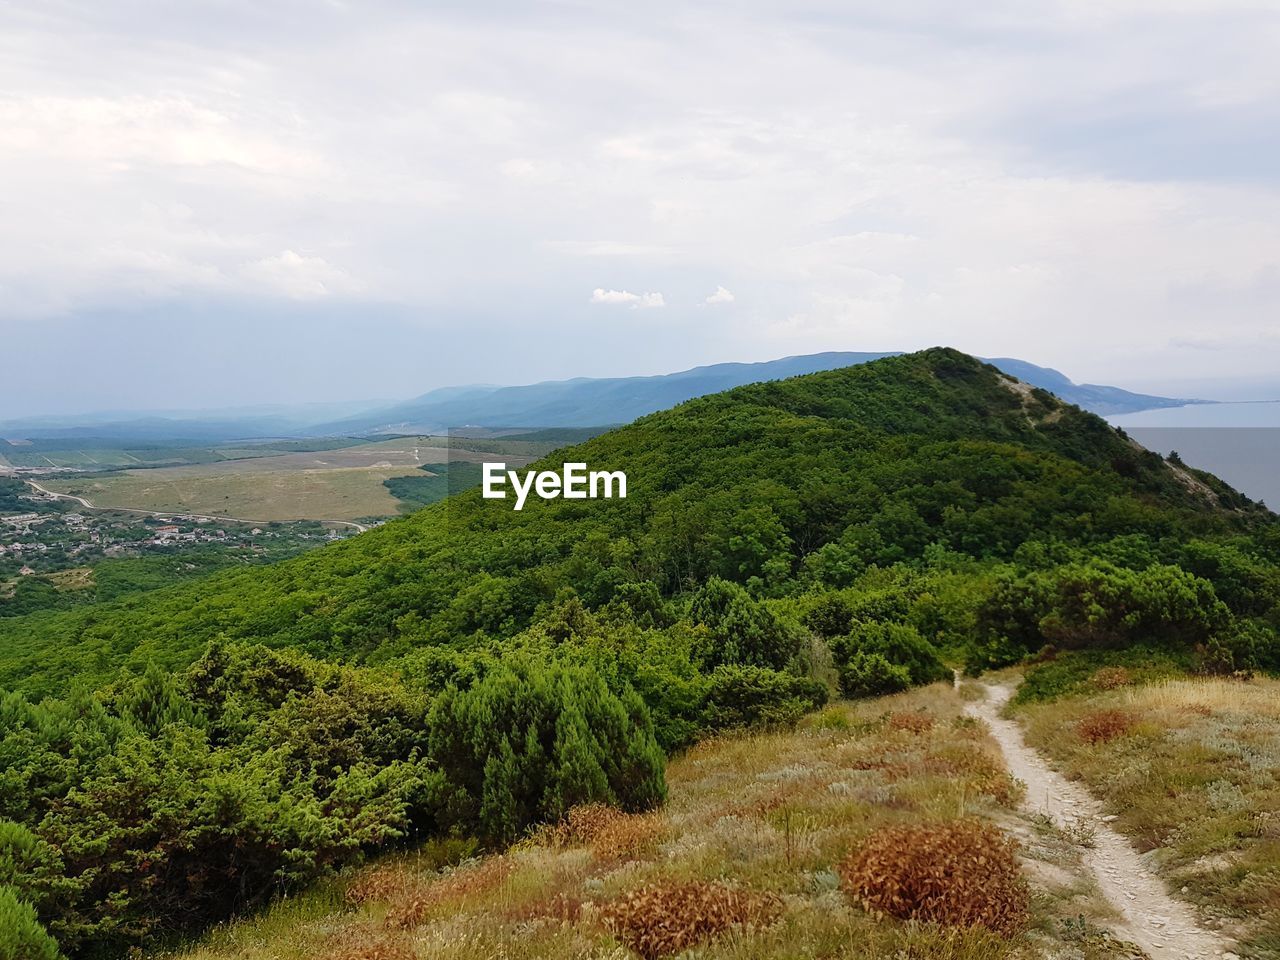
[(720, 296), (300, 278), (1009, 204), (636, 300)]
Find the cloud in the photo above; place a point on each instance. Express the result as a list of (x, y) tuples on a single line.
[(636, 300), (300, 278), (1008, 203), (720, 296)]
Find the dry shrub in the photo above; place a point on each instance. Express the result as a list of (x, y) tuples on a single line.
[(1103, 726), (412, 905), (1111, 678), (661, 920), (962, 873), (912, 722), (612, 834), (381, 884)]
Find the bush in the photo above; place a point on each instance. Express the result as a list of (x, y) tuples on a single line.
[(530, 741), (660, 921), (1103, 726), (21, 936), (741, 696), (741, 630), (899, 644), (871, 675), (962, 873)]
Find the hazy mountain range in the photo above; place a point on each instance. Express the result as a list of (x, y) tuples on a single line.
[(582, 401)]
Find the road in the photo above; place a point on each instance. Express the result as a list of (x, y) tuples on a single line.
[(359, 527)]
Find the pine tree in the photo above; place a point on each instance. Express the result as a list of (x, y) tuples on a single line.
[(21, 935)]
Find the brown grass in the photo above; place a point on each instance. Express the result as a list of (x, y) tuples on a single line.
[(363, 946), (962, 873), (661, 920), (611, 834), (912, 722), (1111, 678), (1103, 726), (413, 902)]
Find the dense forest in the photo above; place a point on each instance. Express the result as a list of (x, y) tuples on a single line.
[(469, 671)]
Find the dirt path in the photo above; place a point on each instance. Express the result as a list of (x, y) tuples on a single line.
[(1164, 928)]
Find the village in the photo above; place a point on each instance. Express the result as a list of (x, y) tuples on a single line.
[(43, 537)]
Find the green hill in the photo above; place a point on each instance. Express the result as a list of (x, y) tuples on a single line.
[(470, 670)]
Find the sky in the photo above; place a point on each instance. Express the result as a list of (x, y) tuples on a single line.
[(212, 204)]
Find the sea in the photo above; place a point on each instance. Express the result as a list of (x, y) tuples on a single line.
[(1239, 442)]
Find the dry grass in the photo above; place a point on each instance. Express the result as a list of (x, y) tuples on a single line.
[(1257, 697), (1103, 726), (1110, 678), (741, 862), (661, 920), (962, 873), (911, 722), (411, 903), (1195, 779), (611, 834)]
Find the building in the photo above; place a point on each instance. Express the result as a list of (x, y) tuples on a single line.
[(167, 532), (26, 572)]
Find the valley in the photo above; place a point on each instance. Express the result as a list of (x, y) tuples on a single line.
[(347, 483)]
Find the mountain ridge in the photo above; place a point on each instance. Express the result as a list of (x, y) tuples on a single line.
[(588, 401)]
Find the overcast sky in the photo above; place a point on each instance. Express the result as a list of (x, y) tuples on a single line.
[(235, 202)]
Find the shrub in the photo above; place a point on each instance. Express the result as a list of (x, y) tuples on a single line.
[(21, 936), (741, 630), (898, 644), (871, 675), (743, 696), (662, 920), (530, 741), (1103, 726), (962, 873), (1110, 678)]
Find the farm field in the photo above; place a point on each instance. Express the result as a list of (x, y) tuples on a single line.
[(105, 454), (345, 483)]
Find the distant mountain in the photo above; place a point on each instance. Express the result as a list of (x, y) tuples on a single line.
[(585, 401), (189, 426), (580, 402)]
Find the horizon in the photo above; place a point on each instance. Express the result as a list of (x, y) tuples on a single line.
[(373, 404)]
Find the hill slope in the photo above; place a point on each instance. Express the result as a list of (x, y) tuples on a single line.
[(802, 459), (471, 671)]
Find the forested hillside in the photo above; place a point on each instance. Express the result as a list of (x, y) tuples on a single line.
[(470, 671)]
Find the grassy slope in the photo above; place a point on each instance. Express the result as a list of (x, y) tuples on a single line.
[(1195, 778), (770, 812), (818, 451)]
